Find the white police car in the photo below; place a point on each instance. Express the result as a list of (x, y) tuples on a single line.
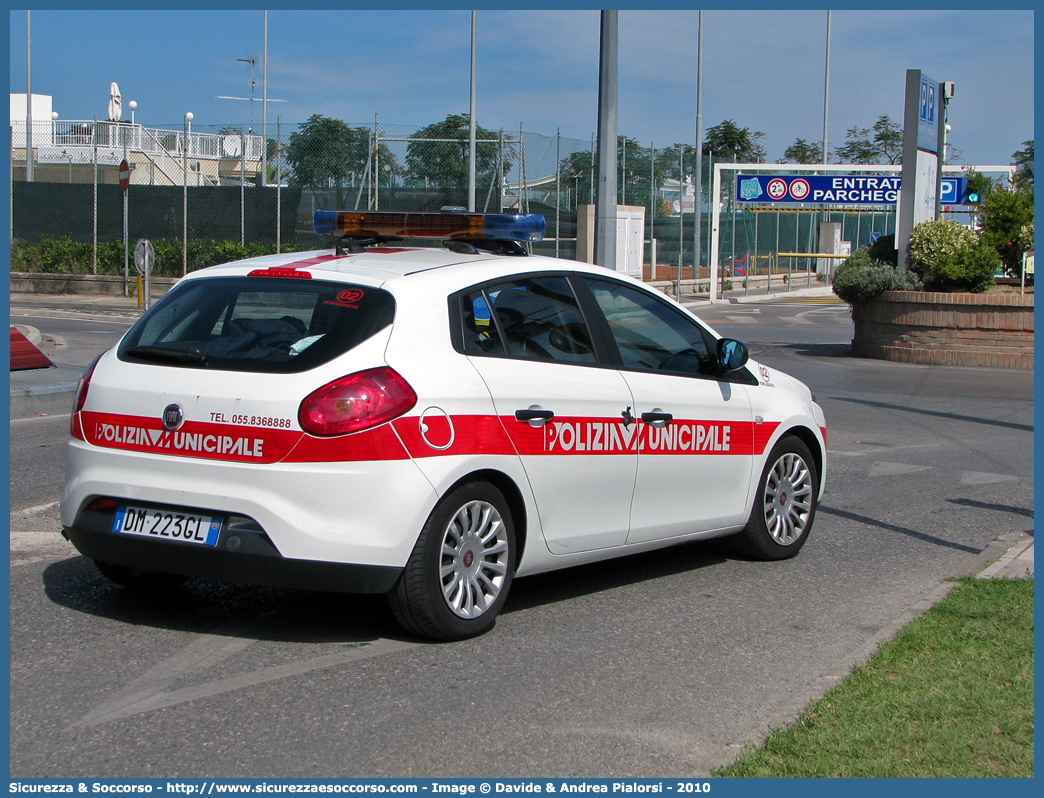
[(428, 423)]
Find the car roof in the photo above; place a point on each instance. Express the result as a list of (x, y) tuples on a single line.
[(382, 265)]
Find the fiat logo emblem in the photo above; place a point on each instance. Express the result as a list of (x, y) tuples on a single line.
[(172, 417)]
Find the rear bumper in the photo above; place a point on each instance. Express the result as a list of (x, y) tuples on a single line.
[(350, 512), (245, 558)]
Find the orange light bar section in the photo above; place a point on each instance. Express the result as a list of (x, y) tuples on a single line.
[(392, 224)]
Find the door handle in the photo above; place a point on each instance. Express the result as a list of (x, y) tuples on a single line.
[(657, 418), (534, 416)]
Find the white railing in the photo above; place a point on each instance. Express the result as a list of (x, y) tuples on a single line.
[(168, 163), (71, 141)]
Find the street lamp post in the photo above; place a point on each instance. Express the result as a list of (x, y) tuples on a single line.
[(184, 194)]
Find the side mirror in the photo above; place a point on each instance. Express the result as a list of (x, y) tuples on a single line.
[(732, 354)]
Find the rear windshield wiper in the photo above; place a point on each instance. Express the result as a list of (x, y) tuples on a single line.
[(185, 354)]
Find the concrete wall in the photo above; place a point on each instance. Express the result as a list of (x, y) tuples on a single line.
[(27, 283)]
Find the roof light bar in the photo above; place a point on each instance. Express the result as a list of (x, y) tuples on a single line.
[(392, 224)]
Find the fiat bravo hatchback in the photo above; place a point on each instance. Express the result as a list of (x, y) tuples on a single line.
[(427, 423)]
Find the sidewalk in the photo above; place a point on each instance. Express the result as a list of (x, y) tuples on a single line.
[(46, 392)]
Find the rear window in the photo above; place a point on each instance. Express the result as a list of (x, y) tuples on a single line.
[(270, 324)]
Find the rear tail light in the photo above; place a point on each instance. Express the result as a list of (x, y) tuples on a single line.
[(80, 398), (103, 506), (356, 402)]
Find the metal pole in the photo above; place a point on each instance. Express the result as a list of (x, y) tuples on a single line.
[(594, 157), (715, 223), (605, 198), (94, 161), (242, 188), (523, 193), (369, 167), (812, 242), (279, 181), (471, 120), (29, 169), (184, 193), (681, 218), (558, 188), (375, 177), (826, 90), (797, 243), (652, 210), (776, 261), (698, 232), (264, 108), (752, 259), (732, 258), (623, 175), (500, 172), (126, 247)]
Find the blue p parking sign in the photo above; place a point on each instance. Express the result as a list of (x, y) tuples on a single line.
[(952, 190)]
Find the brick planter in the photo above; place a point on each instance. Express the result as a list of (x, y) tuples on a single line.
[(985, 330)]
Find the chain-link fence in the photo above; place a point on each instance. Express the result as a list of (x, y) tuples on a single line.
[(228, 191)]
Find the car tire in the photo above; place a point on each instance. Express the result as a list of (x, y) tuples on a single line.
[(138, 580), (784, 505), (458, 576)]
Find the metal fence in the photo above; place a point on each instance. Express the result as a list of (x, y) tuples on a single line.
[(223, 185)]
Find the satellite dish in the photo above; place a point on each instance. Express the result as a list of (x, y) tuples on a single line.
[(231, 146)]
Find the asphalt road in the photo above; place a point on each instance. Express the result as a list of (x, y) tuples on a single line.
[(660, 664)]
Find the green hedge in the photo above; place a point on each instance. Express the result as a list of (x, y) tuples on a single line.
[(65, 256), (861, 278), (948, 257)]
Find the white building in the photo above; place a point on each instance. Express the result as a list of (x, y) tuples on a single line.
[(66, 151)]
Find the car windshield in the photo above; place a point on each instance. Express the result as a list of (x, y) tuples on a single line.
[(270, 324)]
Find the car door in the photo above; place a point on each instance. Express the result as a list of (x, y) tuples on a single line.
[(696, 426), (564, 411)]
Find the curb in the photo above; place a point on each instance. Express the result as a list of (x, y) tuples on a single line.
[(32, 335), (50, 400), (1015, 561), (818, 292), (43, 392)]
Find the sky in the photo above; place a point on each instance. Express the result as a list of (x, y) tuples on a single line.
[(763, 69)]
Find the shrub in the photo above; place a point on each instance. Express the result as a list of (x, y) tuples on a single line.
[(974, 272), (861, 278), (65, 256), (51, 256), (883, 249), (947, 257), (1003, 215), (933, 243)]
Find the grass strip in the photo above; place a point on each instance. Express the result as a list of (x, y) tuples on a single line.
[(951, 696)]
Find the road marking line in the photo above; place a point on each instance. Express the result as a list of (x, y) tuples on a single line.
[(148, 693), (38, 509)]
